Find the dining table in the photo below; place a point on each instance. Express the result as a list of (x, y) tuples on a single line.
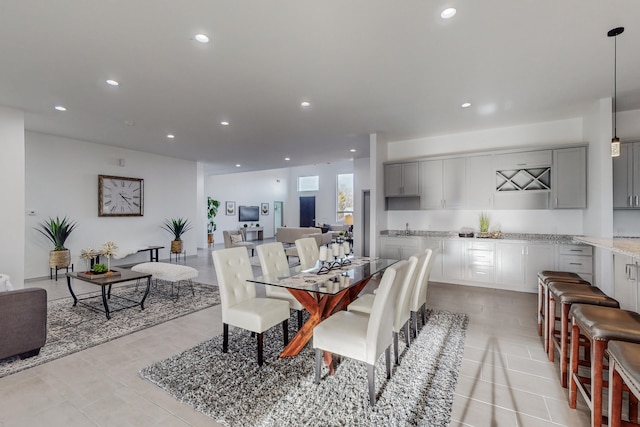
[(323, 293)]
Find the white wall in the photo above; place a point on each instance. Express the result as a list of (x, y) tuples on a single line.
[(512, 221), (361, 182), (62, 180), (378, 151), (12, 170), (627, 223), (247, 189)]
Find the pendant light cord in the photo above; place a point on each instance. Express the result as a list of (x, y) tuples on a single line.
[(615, 87)]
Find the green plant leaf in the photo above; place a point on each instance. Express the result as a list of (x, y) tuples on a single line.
[(177, 227), (57, 231)]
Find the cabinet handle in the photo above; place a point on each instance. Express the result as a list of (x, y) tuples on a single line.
[(556, 202), (521, 164), (636, 200), (629, 201), (575, 250), (575, 263)]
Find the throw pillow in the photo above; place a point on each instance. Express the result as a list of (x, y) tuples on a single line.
[(5, 284), (236, 238)]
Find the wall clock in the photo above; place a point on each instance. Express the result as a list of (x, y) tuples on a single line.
[(120, 196)]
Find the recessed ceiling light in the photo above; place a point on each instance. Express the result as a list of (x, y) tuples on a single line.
[(238, 165), (170, 136), (448, 13), (224, 123), (111, 82), (287, 159), (466, 105), (128, 122), (60, 108), (353, 150), (305, 104), (202, 38)]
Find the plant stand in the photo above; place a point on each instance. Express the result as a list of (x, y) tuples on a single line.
[(178, 256), (58, 268)]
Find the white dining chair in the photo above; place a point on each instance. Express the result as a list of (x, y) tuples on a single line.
[(363, 337), (308, 251), (273, 262), (364, 304), (240, 307), (419, 298)]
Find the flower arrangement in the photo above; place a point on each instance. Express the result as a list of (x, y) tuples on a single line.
[(87, 255), (109, 249)]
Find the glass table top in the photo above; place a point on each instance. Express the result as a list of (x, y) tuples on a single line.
[(332, 282)]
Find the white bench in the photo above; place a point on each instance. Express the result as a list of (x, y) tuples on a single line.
[(172, 273)]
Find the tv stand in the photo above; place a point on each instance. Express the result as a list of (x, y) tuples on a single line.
[(258, 230)]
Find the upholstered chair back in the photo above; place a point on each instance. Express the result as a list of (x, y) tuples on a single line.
[(232, 270), (423, 270), (380, 327), (272, 258), (307, 251), (227, 237), (403, 313)]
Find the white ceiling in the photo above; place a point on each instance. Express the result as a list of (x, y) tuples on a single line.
[(365, 65)]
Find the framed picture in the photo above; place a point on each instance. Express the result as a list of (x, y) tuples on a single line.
[(264, 209), (120, 196), (230, 208)]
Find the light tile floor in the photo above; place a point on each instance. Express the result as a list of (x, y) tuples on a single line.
[(505, 379)]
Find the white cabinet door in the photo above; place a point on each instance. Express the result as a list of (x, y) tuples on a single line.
[(623, 178), (431, 184), (411, 179), (453, 183), (479, 182), (625, 286), (453, 265), (569, 178), (538, 257), (480, 262), (393, 180), (510, 260), (436, 246)]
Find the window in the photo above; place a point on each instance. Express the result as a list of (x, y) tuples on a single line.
[(345, 196), (309, 183)]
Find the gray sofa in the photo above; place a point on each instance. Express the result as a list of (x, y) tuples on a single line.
[(289, 235), (23, 322)]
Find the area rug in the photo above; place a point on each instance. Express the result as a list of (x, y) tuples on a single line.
[(72, 329), (234, 391)]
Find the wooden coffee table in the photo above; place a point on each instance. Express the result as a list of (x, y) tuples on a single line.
[(106, 282)]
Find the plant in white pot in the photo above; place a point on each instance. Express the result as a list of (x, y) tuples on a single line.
[(212, 211), (57, 231), (177, 227)]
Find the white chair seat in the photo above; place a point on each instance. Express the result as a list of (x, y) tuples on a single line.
[(343, 333), (257, 314), (362, 304)]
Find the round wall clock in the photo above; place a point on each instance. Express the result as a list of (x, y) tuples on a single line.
[(120, 196)]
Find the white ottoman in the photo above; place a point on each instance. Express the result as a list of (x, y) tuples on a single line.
[(172, 273)]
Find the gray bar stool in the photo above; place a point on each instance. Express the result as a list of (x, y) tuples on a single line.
[(624, 375), (598, 325), (568, 294), (544, 277)]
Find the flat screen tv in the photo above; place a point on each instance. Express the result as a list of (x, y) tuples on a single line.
[(249, 213)]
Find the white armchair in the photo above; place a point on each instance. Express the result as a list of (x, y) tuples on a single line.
[(273, 261), (364, 304), (360, 336), (240, 307), (419, 297), (308, 251)]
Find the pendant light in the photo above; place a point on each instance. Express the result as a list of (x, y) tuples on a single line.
[(615, 141)]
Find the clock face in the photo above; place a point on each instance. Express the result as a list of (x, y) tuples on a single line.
[(119, 196)]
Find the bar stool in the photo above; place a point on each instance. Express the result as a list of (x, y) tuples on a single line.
[(544, 277), (624, 375), (598, 325), (569, 294)]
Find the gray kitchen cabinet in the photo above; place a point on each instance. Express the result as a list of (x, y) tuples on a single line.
[(399, 247), (523, 160), (431, 184), (479, 182), (626, 177), (453, 183), (480, 261), (401, 179), (538, 257), (569, 178), (625, 286), (576, 259), (510, 263)]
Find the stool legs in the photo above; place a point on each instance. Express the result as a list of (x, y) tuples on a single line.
[(573, 385), (615, 396), (564, 341)]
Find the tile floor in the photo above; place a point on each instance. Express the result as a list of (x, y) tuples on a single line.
[(505, 379)]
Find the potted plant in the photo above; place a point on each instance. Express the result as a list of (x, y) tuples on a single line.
[(212, 211), (57, 231), (484, 224), (177, 227)]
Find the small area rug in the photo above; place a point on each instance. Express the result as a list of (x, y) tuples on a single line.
[(72, 329), (234, 391)]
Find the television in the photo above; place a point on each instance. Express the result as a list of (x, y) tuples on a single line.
[(249, 213)]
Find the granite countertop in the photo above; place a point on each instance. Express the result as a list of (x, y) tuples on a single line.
[(522, 237), (623, 245)]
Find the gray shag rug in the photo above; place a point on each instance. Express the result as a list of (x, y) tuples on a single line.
[(72, 329), (234, 391)]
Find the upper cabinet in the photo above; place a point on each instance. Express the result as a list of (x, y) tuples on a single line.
[(553, 178), (569, 178), (401, 179), (626, 177)]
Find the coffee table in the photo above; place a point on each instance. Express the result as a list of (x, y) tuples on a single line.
[(106, 282)]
